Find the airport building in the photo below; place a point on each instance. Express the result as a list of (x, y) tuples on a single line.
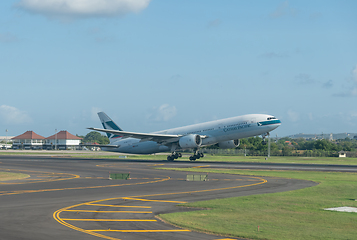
[(6, 142), (28, 140), (63, 141)]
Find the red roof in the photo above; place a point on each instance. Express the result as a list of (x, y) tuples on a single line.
[(64, 135), (29, 135)]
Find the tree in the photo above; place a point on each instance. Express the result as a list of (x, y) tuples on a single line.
[(287, 151), (95, 137)]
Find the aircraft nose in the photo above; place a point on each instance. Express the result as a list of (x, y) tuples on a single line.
[(277, 123)]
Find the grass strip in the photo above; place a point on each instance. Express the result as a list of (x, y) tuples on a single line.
[(295, 214), (207, 158), (8, 176)]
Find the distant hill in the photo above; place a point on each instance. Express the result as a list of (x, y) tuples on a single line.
[(324, 136)]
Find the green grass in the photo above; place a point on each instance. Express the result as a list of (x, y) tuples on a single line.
[(7, 176), (220, 158), (296, 214), (303, 160), (207, 158)]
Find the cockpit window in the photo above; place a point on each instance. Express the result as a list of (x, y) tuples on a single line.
[(270, 118)]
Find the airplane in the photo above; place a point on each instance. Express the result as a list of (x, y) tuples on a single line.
[(225, 132)]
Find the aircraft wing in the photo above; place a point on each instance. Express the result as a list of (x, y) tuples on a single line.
[(159, 138), (99, 145)]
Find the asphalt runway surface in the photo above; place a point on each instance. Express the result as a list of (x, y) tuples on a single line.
[(70, 198)]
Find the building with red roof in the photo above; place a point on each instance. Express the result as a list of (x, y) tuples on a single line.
[(62, 140), (28, 140)]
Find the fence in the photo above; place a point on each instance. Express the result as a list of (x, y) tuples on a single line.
[(297, 153)]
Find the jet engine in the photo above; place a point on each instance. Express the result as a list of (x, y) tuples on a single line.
[(190, 141), (229, 144)]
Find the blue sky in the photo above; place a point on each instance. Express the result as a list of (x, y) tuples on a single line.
[(153, 65)]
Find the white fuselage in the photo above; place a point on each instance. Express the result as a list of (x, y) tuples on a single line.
[(215, 131)]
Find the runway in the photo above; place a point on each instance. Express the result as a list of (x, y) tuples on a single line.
[(69, 198)]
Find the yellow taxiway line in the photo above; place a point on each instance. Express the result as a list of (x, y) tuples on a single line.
[(149, 200), (118, 206), (137, 198), (109, 220), (93, 211), (141, 231), (78, 188), (39, 174)]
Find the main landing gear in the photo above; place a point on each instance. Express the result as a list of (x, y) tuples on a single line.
[(174, 156), (197, 155)]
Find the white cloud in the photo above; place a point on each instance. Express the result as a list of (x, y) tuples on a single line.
[(83, 8), (304, 79), (293, 116), (283, 10), (328, 84), (351, 89), (163, 113), (353, 114), (12, 115)]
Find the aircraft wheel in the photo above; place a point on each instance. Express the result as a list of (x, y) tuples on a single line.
[(201, 155), (170, 158), (179, 155)]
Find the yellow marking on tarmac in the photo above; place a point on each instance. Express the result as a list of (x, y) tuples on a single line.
[(141, 231), (91, 211), (226, 239), (58, 219), (144, 178), (77, 188), (207, 190), (95, 178), (39, 174), (149, 200), (202, 166), (61, 221), (112, 165), (109, 220), (139, 198), (157, 165), (213, 179), (118, 206)]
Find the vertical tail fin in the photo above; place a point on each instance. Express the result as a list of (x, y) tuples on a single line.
[(108, 123)]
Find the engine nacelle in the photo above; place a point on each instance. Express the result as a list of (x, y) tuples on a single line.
[(229, 144), (190, 141)]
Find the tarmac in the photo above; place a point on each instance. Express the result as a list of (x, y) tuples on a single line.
[(72, 198)]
